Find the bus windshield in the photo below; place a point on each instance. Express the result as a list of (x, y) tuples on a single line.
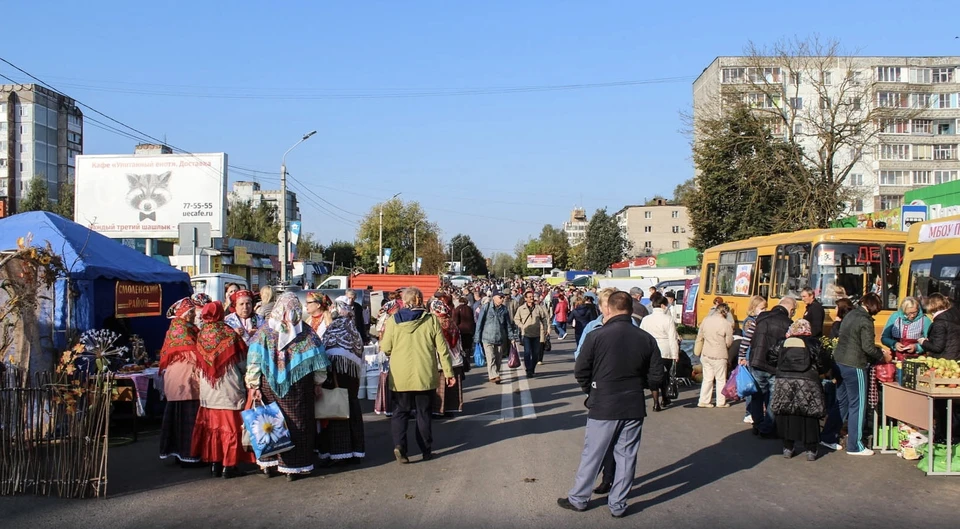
[(852, 270)]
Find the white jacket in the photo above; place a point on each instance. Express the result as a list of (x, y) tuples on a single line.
[(661, 326)]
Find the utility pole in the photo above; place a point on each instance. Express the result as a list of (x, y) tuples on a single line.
[(380, 268), (283, 208)]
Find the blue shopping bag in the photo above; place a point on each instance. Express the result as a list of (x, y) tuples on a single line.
[(746, 384), (269, 435), (479, 359)]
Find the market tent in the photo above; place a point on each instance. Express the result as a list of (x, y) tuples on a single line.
[(95, 263)]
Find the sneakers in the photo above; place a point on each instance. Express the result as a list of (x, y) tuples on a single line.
[(811, 456), (832, 446), (724, 405), (401, 457), (788, 453), (748, 419), (864, 452), (704, 405)]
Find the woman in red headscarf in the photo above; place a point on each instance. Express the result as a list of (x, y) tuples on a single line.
[(221, 356), (243, 319), (448, 399), (179, 384)]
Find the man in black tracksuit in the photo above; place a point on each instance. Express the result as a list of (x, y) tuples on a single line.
[(771, 327), (616, 362)]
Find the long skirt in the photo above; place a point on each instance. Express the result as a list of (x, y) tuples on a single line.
[(217, 437), (297, 408), (343, 439), (176, 430), (449, 399), (799, 429)]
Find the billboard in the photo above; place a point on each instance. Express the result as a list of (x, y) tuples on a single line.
[(539, 261), (125, 196)]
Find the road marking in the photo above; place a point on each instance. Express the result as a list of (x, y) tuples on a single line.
[(526, 400), (506, 400)]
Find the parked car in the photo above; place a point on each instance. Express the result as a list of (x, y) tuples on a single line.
[(215, 285)]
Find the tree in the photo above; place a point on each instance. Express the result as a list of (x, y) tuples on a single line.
[(681, 193), (253, 223), (553, 241), (399, 220), (503, 264), (473, 261), (578, 257), (65, 199), (605, 242), (307, 245), (341, 253), (744, 181), (38, 196)]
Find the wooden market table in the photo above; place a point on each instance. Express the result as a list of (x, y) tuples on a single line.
[(916, 409)]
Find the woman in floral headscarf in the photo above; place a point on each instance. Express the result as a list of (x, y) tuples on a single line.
[(243, 319), (798, 401), (448, 399), (180, 385), (342, 440), (200, 300), (220, 356), (284, 358)]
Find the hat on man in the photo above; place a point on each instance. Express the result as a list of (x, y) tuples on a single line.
[(636, 291)]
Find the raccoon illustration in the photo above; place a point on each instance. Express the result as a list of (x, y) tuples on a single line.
[(148, 193)]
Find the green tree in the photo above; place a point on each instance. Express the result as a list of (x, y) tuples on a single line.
[(307, 245), (341, 253), (578, 256), (605, 242), (553, 241), (65, 199), (744, 181), (473, 261), (503, 264), (399, 220), (681, 193), (37, 198), (253, 223)]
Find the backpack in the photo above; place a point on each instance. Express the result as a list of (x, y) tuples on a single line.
[(792, 356)]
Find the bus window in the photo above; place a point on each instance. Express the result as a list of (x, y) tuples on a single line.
[(945, 276), (894, 258), (726, 272), (793, 269), (918, 284), (711, 271), (850, 270), (763, 278)]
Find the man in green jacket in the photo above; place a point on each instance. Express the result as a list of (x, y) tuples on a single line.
[(414, 342)]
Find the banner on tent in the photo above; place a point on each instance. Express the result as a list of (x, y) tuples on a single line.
[(135, 300)]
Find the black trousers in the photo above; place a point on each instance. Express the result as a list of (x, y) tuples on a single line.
[(404, 402), (667, 364)]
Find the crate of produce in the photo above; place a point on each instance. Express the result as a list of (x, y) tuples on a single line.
[(930, 383), (911, 370)]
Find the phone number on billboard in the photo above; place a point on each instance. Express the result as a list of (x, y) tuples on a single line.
[(198, 205)]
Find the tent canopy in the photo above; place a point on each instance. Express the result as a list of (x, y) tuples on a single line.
[(86, 253)]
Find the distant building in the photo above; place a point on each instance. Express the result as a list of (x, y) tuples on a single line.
[(251, 192), (655, 229), (41, 134), (576, 227)]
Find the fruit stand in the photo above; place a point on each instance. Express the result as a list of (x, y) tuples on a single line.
[(923, 382)]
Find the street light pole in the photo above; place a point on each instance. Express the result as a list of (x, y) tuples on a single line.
[(416, 269), (283, 208), (461, 260), (380, 269)]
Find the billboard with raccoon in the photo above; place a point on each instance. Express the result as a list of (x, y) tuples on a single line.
[(126, 196)]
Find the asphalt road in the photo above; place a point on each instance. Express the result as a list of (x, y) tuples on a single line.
[(505, 462)]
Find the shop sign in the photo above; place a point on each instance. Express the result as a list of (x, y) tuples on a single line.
[(135, 300)]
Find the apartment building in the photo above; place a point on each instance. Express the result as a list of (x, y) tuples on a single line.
[(654, 229), (41, 134), (905, 109), (576, 227), (251, 192)]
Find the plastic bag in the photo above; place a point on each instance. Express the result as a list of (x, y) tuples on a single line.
[(730, 388), (746, 384), (268, 430), (479, 359), (513, 360)]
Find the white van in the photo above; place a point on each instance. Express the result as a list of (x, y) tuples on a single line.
[(215, 285)]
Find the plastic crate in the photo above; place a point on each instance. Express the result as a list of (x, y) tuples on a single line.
[(911, 372)]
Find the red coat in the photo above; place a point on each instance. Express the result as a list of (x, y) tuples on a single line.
[(560, 311)]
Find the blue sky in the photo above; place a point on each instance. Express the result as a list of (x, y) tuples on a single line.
[(495, 166)]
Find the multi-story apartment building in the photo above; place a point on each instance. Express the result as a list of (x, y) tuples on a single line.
[(576, 227), (41, 134), (251, 192), (655, 229), (905, 111)]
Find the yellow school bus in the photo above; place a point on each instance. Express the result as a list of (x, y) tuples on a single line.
[(833, 262), (932, 260)]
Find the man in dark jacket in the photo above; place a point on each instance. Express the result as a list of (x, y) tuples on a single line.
[(616, 362), (771, 327), (814, 312)]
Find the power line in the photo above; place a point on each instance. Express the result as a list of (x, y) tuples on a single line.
[(314, 193)]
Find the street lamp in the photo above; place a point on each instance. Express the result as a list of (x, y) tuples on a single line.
[(416, 269), (461, 259), (380, 254), (283, 208)]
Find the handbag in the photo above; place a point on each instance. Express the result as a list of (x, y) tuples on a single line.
[(746, 384), (333, 403), (673, 387), (885, 372), (479, 359), (730, 388), (547, 346), (269, 435), (513, 361)]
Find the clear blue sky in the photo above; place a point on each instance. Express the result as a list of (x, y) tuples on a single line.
[(495, 166)]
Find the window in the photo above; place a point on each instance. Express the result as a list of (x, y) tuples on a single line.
[(793, 269), (921, 178), (760, 75), (943, 129), (711, 274), (856, 179), (944, 152), (797, 129), (891, 99), (923, 126), (760, 100), (889, 201), (856, 103), (893, 178), (857, 269), (895, 126), (923, 152), (25, 111), (763, 281), (733, 75), (943, 75), (826, 78), (854, 78), (796, 103), (894, 152), (946, 101), (675, 245), (676, 229), (824, 103), (735, 274), (939, 275), (775, 126), (647, 244), (920, 75), (3, 108), (675, 214), (921, 100), (647, 215), (942, 177), (795, 78), (647, 229), (888, 74), (857, 205)]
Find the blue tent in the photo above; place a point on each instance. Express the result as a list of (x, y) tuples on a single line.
[(95, 263)]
